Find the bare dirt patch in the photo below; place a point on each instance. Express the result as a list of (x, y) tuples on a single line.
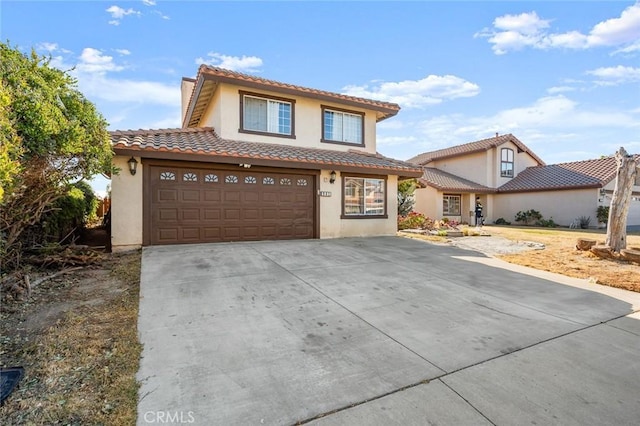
[(553, 250), (76, 337)]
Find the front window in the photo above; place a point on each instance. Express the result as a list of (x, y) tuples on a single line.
[(506, 163), (364, 197), (450, 205), (265, 115), (342, 126)]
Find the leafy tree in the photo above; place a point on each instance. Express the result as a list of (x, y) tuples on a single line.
[(51, 136), (405, 196)]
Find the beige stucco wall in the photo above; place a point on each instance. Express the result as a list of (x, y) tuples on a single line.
[(126, 206), (428, 201), (332, 226), (472, 167), (223, 113), (186, 89), (562, 206)]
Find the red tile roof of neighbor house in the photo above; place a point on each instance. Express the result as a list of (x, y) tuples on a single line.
[(578, 174), (204, 144), (447, 182), (211, 73), (471, 148)]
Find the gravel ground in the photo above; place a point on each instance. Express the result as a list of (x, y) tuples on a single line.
[(491, 245)]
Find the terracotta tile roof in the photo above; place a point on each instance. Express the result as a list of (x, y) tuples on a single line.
[(578, 174), (211, 73), (204, 143), (471, 148), (444, 181)]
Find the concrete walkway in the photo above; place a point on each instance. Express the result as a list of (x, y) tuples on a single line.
[(378, 331)]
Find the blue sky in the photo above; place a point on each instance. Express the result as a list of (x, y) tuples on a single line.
[(564, 77)]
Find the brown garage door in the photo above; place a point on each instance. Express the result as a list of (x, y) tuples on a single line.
[(195, 205)]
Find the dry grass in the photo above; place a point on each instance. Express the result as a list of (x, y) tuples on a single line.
[(79, 368), (561, 256)]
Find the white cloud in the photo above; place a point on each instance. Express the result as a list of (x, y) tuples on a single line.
[(94, 61), (49, 47), (395, 140), (557, 115), (124, 52), (117, 13), (234, 63), (560, 89), (430, 90), (525, 23), (93, 70), (514, 32), (149, 2), (616, 75), (162, 15)]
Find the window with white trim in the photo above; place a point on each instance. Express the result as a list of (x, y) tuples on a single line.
[(451, 205), (266, 115), (506, 162), (364, 197), (342, 126)]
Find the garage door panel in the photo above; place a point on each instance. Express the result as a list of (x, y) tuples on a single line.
[(212, 232), (211, 195), (231, 233), (250, 214), (250, 196), (232, 196), (167, 195), (191, 205), (167, 234), (190, 214), (190, 234), (167, 215), (212, 215), (269, 197), (190, 195)]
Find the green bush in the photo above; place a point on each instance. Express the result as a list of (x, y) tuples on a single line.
[(528, 217), (584, 221), (502, 221), (69, 214), (90, 201), (405, 196), (603, 214), (547, 223)]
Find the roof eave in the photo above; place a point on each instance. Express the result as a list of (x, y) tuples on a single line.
[(550, 188), (385, 112), (198, 156)]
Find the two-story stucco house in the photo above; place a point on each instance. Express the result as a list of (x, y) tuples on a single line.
[(509, 177), (255, 159)]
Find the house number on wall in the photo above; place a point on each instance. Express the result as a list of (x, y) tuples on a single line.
[(324, 193)]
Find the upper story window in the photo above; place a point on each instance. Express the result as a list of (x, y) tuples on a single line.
[(341, 126), (506, 162), (266, 115)]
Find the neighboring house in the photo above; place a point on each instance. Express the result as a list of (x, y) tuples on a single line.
[(508, 177), (256, 159)]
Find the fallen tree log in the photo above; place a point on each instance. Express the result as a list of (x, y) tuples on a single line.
[(630, 255), (585, 244), (603, 251)]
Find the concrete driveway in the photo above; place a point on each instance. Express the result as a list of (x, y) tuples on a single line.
[(378, 331)]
